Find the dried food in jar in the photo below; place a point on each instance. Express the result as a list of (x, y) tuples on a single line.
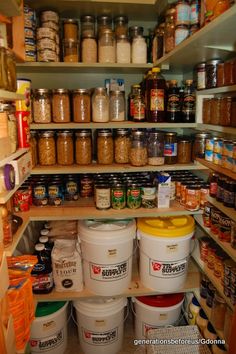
[(81, 106), (105, 147), (170, 148), (83, 147), (100, 105), (47, 148), (215, 110), (107, 47), (60, 106), (211, 72), (121, 26), (122, 145), (201, 76), (42, 106), (229, 72), (138, 150), (65, 148), (199, 144), (44, 32), (70, 29), (123, 50), (46, 43), (220, 75), (87, 26), (184, 150), (70, 50), (225, 111), (116, 106), (89, 50), (155, 148)]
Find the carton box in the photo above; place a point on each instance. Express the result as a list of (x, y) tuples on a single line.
[(163, 191), (22, 167)]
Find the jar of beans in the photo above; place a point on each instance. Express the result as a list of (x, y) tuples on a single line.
[(42, 106)]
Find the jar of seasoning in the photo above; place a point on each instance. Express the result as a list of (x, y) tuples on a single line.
[(70, 50), (86, 186), (201, 76), (81, 106), (201, 320), (117, 106), (170, 148), (155, 148), (122, 145), (33, 148), (134, 91), (60, 106), (206, 111), (47, 148), (105, 147), (138, 109), (87, 26), (100, 105), (102, 196), (199, 144), (181, 33), (70, 29), (182, 16), (65, 148), (83, 147), (169, 35), (213, 179), (42, 106), (209, 332), (192, 197), (104, 23), (138, 151), (118, 196), (107, 47), (134, 199), (220, 75), (121, 26), (211, 72), (71, 188), (184, 150), (218, 312), (139, 50), (123, 49), (89, 49)]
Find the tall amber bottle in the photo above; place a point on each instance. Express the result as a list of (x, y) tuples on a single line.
[(156, 97)]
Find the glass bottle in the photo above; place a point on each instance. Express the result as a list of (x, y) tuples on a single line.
[(134, 91), (83, 147), (139, 50), (117, 106), (138, 151), (138, 106), (188, 109), (156, 97), (100, 105), (70, 29), (169, 35), (155, 148), (107, 47), (123, 49), (173, 102), (65, 148)]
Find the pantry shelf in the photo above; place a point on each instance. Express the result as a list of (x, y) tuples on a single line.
[(8, 95), (230, 212), (214, 91), (4, 197), (217, 168), (17, 237), (216, 128), (14, 156), (224, 245)]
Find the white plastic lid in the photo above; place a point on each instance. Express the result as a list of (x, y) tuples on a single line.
[(44, 232), (43, 239), (100, 306), (39, 247)]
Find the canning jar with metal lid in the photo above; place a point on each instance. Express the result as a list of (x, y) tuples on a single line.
[(70, 50), (199, 144), (105, 147), (60, 106), (83, 147), (211, 72), (155, 147), (87, 25), (89, 49), (215, 110), (100, 105), (117, 106), (81, 106), (169, 35), (8, 124), (226, 110), (11, 70), (206, 111), (184, 150), (121, 25), (122, 145), (47, 148), (107, 47), (70, 29), (104, 22), (170, 148), (135, 31), (42, 112), (123, 49), (138, 151), (65, 148)]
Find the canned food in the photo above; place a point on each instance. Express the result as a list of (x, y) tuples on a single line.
[(40, 197), (118, 196), (225, 228), (46, 55), (21, 200), (55, 195), (218, 146), (192, 197), (134, 199), (207, 215), (86, 186), (50, 24), (217, 158), (219, 264), (209, 155), (149, 196), (102, 196), (71, 188), (204, 244), (44, 32), (46, 43), (49, 15), (228, 148), (215, 220), (229, 163), (204, 192)]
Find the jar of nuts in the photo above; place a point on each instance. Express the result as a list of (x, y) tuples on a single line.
[(65, 148), (47, 148), (83, 147), (60, 106), (122, 146), (105, 148), (42, 106), (138, 151)]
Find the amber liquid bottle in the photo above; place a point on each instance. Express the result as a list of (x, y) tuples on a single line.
[(156, 97), (173, 103)]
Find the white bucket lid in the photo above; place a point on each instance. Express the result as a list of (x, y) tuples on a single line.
[(100, 306), (101, 231)]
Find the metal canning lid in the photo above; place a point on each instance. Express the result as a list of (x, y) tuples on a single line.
[(87, 18), (61, 90), (64, 133), (107, 31), (170, 134), (70, 40), (104, 19), (122, 131), (81, 91), (156, 134), (100, 89), (83, 133), (47, 134), (105, 132), (214, 62), (70, 20), (41, 91), (202, 135), (121, 18), (201, 65), (138, 133)]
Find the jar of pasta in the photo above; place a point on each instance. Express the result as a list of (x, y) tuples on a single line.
[(60, 106), (105, 148), (81, 106), (83, 147), (138, 151), (42, 106), (122, 146), (33, 148), (65, 148), (47, 148)]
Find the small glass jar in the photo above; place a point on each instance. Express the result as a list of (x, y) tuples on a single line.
[(83, 147), (184, 150), (33, 148), (70, 29), (117, 106), (215, 110), (42, 112), (139, 50), (87, 26), (229, 72), (138, 151), (122, 146), (104, 23), (170, 148), (105, 147), (89, 49), (65, 148), (47, 148), (81, 106), (182, 13), (201, 76), (137, 105), (123, 50), (100, 105), (107, 47), (211, 72), (225, 111), (155, 148), (8, 124), (70, 50), (60, 106), (121, 26)]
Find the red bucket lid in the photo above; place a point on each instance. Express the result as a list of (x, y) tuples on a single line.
[(161, 300)]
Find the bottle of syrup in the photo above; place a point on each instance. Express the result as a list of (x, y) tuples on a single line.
[(156, 97), (173, 102)]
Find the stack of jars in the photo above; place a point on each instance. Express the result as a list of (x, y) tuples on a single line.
[(70, 40), (223, 189), (219, 111)]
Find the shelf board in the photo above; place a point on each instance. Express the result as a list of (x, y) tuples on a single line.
[(4, 197), (217, 168), (217, 90), (17, 237), (230, 212), (215, 40), (135, 289), (114, 168), (216, 128), (8, 95), (9, 8), (13, 156)]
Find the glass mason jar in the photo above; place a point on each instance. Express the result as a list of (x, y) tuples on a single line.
[(107, 47), (211, 72), (65, 148), (155, 148), (184, 150), (33, 148), (135, 31), (121, 26), (8, 124), (11, 70), (139, 50), (199, 144), (117, 106), (70, 29), (100, 105), (104, 23), (105, 147), (70, 50), (122, 145), (81, 106), (87, 26), (83, 147), (60, 106), (169, 35), (47, 148), (138, 150), (123, 49), (42, 112), (170, 148), (89, 49)]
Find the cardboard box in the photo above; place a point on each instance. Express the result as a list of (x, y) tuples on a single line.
[(163, 192), (22, 167)]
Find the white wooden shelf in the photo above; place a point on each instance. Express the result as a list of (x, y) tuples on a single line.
[(230, 212), (216, 128), (13, 156), (8, 95), (9, 8), (217, 168), (216, 90), (4, 197)]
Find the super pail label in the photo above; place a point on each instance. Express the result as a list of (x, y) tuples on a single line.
[(109, 272), (160, 269), (41, 345), (99, 338)]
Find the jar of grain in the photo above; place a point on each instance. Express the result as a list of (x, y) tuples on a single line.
[(122, 146), (107, 47), (123, 50), (81, 106), (139, 50), (104, 23), (87, 26), (65, 148), (70, 29), (70, 50), (83, 147), (121, 26), (138, 151), (89, 49), (60, 106), (100, 105), (33, 148), (117, 106), (42, 106), (156, 148), (47, 148), (184, 150), (105, 148)]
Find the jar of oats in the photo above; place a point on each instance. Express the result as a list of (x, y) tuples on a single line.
[(83, 147), (47, 148), (122, 145), (105, 148), (42, 112), (60, 106), (81, 106), (65, 148), (138, 151), (89, 49)]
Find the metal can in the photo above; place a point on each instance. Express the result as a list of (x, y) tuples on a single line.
[(134, 199), (71, 188), (219, 264), (86, 186), (217, 158), (40, 196), (218, 146), (228, 148), (229, 193), (204, 192), (149, 200), (192, 197), (225, 228), (55, 194), (22, 119), (209, 155), (210, 295), (24, 87), (118, 196), (207, 215), (102, 196), (203, 245), (215, 221)]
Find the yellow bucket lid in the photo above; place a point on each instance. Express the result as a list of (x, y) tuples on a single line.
[(172, 226)]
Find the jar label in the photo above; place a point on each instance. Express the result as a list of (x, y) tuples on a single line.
[(173, 103), (100, 338), (170, 149), (39, 192), (201, 80), (109, 272), (138, 109), (103, 198), (118, 199), (134, 198), (192, 199), (71, 188), (169, 270), (157, 100)]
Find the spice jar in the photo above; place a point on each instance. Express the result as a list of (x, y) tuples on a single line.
[(218, 312), (65, 148), (220, 75), (81, 106), (184, 150), (155, 148), (138, 151), (169, 35), (123, 50), (70, 29), (42, 106), (121, 26), (83, 147), (47, 148), (70, 50), (87, 26), (105, 148), (33, 148), (107, 47), (117, 106), (170, 148), (100, 105), (89, 49), (211, 72), (60, 106), (122, 146), (139, 50)]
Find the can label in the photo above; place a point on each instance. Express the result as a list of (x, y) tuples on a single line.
[(209, 155), (23, 88), (215, 221), (192, 199), (157, 100), (47, 343), (109, 272), (22, 119), (100, 338), (71, 191), (170, 149), (225, 228), (134, 198), (118, 198), (159, 269), (55, 195), (103, 198), (217, 158), (40, 195)]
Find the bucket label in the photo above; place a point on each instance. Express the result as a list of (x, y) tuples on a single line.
[(161, 269), (41, 345), (109, 272), (100, 338)]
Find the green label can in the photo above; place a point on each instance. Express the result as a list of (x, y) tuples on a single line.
[(118, 196), (134, 198)]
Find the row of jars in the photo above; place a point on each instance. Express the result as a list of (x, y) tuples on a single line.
[(219, 111), (7, 70), (223, 189), (221, 152)]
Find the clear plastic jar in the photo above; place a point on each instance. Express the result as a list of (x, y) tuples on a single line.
[(70, 29), (89, 49), (100, 105), (83, 147), (123, 50), (104, 23), (107, 47), (70, 50), (81, 106), (138, 150), (65, 148), (122, 146), (42, 112), (47, 148), (60, 106), (156, 148), (87, 26), (33, 148), (139, 50), (121, 26), (105, 147), (117, 106)]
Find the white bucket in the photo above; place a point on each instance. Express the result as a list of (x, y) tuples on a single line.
[(49, 329), (100, 324), (156, 311), (164, 252), (107, 247)]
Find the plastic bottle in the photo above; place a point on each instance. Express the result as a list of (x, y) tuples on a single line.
[(48, 245), (156, 97), (194, 309)]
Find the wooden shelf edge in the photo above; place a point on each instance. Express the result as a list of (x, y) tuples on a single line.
[(217, 168), (4, 197), (222, 89)]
